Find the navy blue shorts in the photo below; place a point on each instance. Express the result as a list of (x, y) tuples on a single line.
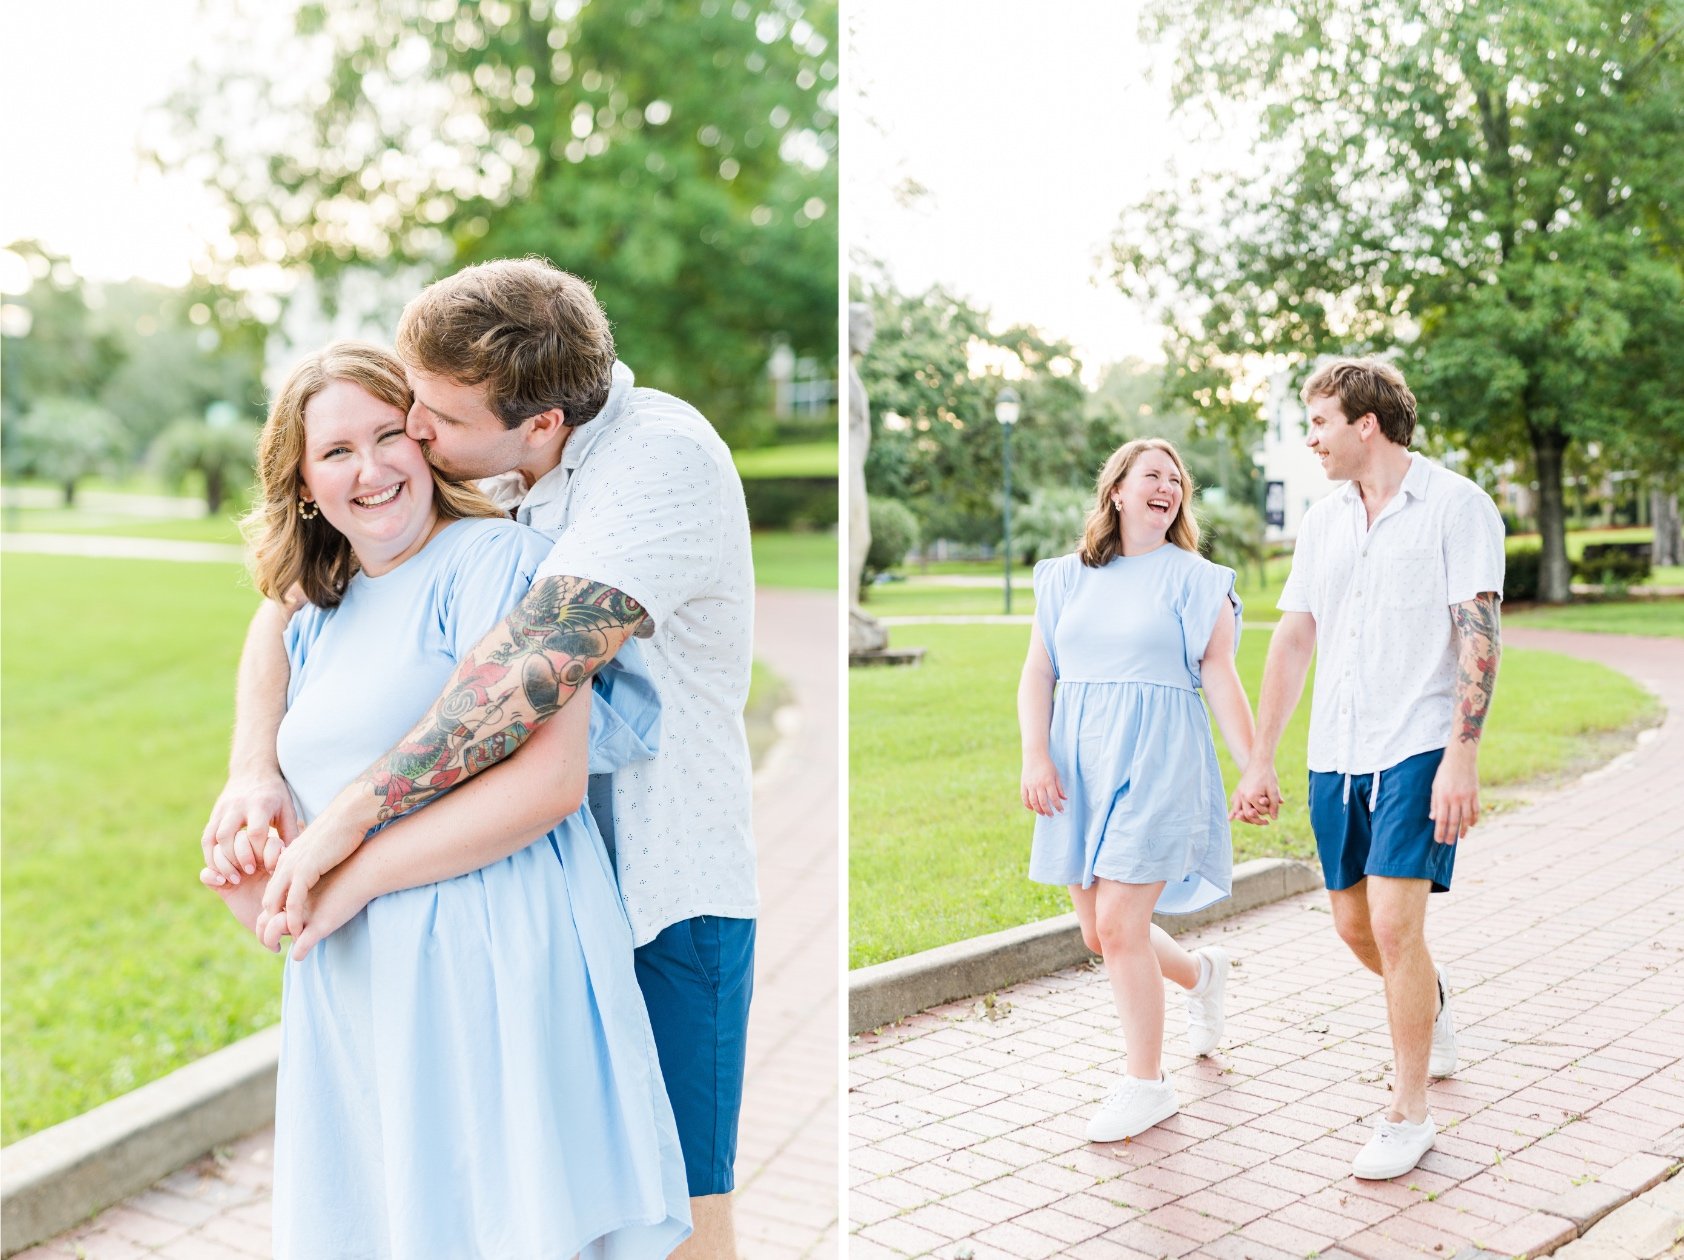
[(697, 977), (1393, 838)]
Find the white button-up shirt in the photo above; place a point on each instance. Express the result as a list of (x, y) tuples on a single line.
[(647, 500), (1381, 597)]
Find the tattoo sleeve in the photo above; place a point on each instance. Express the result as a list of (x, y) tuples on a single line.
[(515, 679), (1478, 649)]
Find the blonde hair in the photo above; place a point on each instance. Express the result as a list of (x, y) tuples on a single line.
[(284, 551), (1363, 386), (1102, 536)]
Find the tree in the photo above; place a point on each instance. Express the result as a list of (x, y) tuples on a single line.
[(933, 374), (682, 157), (62, 349), (63, 440), (1490, 190), (1051, 523), (222, 453)]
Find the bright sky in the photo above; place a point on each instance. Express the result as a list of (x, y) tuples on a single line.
[(75, 83), (1031, 125)]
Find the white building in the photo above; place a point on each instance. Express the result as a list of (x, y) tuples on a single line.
[(1292, 475)]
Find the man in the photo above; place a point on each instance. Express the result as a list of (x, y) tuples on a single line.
[(1396, 580), (516, 383)]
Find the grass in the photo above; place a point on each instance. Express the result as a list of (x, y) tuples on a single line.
[(939, 845), (1662, 617), (210, 529), (797, 459), (118, 679), (118, 967), (803, 560)]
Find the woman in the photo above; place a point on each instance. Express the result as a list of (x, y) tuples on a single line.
[(1129, 627), (466, 1066)]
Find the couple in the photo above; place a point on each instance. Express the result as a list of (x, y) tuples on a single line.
[(513, 1024), (1396, 579)]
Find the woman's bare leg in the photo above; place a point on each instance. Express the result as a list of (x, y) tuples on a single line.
[(1123, 927)]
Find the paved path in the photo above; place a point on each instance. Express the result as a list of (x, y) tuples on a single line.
[(787, 1174), (1565, 942)]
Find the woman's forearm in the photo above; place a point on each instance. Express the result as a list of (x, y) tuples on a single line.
[(1035, 699), (1231, 709)]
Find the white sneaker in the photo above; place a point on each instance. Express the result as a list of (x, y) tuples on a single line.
[(1394, 1149), (1204, 1009), (1442, 1060), (1133, 1107)]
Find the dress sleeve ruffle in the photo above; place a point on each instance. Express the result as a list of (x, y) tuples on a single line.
[(1053, 580), (1209, 595), (625, 712)]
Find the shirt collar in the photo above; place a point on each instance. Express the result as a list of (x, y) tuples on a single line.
[(619, 393), (1415, 481)]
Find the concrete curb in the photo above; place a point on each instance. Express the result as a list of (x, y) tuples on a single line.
[(885, 992), (53, 1179)]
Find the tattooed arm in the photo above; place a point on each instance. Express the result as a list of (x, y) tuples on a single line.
[(1455, 802), (515, 679)]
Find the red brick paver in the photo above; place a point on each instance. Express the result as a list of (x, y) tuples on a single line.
[(1564, 937), (787, 1174)]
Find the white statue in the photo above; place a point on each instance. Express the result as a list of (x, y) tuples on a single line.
[(865, 633)]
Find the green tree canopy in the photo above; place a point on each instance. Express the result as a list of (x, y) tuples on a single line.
[(932, 375), (681, 156), (63, 440), (1491, 189), (223, 454)]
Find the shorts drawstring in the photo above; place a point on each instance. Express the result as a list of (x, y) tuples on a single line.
[(1373, 792)]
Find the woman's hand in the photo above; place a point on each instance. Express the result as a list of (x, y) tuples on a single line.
[(1041, 791), (320, 847), (337, 899)]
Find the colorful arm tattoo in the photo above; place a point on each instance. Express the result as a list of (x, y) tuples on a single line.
[(1478, 650), (515, 679)]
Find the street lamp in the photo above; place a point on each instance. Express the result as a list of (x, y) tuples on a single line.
[(1006, 408)]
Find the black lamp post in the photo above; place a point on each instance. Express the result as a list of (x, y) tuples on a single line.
[(1006, 408)]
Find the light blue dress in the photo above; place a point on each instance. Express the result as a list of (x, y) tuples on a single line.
[(1130, 737), (466, 1068)]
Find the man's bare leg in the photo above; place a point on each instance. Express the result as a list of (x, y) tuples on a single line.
[(1350, 920), (1397, 910), (713, 1230)]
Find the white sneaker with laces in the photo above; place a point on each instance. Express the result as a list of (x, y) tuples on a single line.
[(1204, 1007), (1395, 1148), (1133, 1107), (1442, 1060)]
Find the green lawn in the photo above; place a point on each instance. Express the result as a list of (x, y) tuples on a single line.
[(797, 459), (805, 560), (1635, 616), (119, 967), (938, 843), (212, 529)]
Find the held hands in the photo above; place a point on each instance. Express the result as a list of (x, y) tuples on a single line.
[(1455, 801), (1257, 797), (251, 805), (1040, 791), (320, 847), (329, 906)]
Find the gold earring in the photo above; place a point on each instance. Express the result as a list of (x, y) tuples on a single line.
[(307, 509)]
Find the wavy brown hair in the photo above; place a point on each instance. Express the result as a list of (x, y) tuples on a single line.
[(1102, 536), (286, 553), (1363, 386)]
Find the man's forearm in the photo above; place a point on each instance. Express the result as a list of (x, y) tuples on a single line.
[(1478, 651), (260, 693), (1290, 650), (516, 678)]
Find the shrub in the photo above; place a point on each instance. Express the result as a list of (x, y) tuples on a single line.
[(791, 502), (1613, 564), (1520, 573), (894, 532)]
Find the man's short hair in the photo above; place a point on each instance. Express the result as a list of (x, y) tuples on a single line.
[(1365, 385), (532, 334)]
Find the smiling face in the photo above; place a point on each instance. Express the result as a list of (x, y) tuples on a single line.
[(1150, 494), (369, 479), (1340, 445), (462, 436)]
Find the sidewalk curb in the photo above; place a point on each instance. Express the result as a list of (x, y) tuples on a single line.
[(53, 1179), (885, 992)]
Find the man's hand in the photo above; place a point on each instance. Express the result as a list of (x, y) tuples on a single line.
[(244, 900), (1257, 797), (249, 806), (1455, 803), (320, 847), (1040, 790)]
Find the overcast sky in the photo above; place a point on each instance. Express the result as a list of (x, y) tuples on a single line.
[(1031, 126)]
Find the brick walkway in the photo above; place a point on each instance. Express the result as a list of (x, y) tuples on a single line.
[(1563, 937), (787, 1172)]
